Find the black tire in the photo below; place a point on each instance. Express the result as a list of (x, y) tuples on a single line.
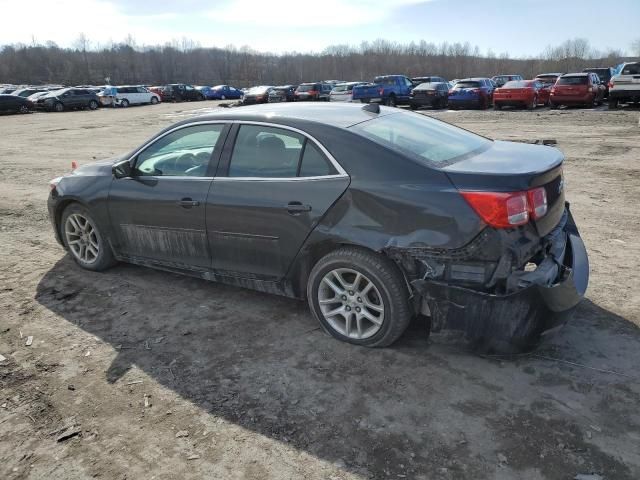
[(200, 98), (154, 100), (391, 101), (552, 105), (93, 105), (613, 104), (124, 103), (534, 103), (23, 109), (384, 275), (58, 107), (497, 106), (105, 258), (413, 106)]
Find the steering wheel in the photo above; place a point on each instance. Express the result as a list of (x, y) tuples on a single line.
[(185, 162)]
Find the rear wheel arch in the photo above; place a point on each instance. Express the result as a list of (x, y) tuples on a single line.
[(312, 255)]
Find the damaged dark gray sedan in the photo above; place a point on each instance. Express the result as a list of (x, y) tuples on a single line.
[(373, 215)]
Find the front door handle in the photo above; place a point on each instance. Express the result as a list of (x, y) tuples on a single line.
[(295, 208), (188, 203)]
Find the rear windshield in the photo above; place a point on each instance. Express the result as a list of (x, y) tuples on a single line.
[(385, 80), (422, 138), (602, 72), (517, 84), (467, 85), (428, 86), (308, 88), (633, 69), (257, 90), (573, 80), (547, 78)]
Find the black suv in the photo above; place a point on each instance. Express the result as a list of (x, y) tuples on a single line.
[(14, 104), (68, 99), (604, 74), (180, 92), (283, 93)]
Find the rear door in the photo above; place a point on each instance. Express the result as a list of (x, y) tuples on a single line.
[(274, 186), (158, 214)]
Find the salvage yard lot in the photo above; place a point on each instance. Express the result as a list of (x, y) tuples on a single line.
[(136, 373)]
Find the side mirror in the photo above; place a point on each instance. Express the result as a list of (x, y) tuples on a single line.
[(122, 169)]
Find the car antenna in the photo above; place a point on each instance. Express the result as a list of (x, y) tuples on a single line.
[(372, 107)]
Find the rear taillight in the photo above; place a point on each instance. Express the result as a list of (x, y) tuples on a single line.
[(537, 199), (508, 209), (381, 91), (610, 84), (498, 209)]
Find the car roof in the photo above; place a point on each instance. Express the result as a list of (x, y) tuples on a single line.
[(473, 79), (583, 74), (334, 114), (557, 74)]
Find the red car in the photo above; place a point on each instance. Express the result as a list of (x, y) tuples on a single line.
[(158, 91), (577, 89), (526, 93)]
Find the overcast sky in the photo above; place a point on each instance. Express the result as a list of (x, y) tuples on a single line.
[(520, 27)]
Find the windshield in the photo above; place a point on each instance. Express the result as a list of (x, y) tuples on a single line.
[(460, 85), (631, 69), (429, 141), (573, 80)]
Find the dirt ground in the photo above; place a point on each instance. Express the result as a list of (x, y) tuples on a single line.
[(140, 374)]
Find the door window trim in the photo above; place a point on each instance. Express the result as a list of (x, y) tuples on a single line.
[(213, 159), (341, 173)]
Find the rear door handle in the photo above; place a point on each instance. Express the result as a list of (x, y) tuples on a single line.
[(188, 203), (297, 207)]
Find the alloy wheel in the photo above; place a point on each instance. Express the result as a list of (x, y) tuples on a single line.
[(351, 303), (82, 238)]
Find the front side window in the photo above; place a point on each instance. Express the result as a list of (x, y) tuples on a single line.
[(184, 152), (421, 138), (270, 152)]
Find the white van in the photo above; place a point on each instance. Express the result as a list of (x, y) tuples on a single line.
[(136, 95)]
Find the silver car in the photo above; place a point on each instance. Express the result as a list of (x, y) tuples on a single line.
[(343, 92)]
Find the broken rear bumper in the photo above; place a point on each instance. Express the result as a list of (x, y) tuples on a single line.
[(514, 322)]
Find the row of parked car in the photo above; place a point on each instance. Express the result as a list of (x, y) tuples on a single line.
[(58, 98), (589, 87)]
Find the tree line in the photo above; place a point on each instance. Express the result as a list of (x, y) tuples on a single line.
[(187, 62)]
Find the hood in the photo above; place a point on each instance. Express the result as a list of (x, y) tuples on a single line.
[(101, 167)]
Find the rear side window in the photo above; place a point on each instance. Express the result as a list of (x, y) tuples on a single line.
[(573, 80), (314, 163), (269, 152), (421, 138)]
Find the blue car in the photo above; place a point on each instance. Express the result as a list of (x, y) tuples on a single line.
[(206, 92), (471, 92), (225, 92)]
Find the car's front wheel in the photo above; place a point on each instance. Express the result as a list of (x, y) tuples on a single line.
[(359, 297), (154, 101), (83, 240)]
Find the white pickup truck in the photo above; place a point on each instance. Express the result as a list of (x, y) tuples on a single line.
[(625, 87)]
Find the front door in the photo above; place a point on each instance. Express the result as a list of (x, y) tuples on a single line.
[(158, 214), (275, 187)]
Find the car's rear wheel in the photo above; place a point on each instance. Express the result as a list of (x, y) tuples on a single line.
[(359, 297), (83, 240), (533, 104), (613, 104), (552, 105), (222, 97), (124, 103), (391, 101), (413, 106), (58, 107), (23, 109)]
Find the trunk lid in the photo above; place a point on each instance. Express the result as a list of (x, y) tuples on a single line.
[(514, 167)]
